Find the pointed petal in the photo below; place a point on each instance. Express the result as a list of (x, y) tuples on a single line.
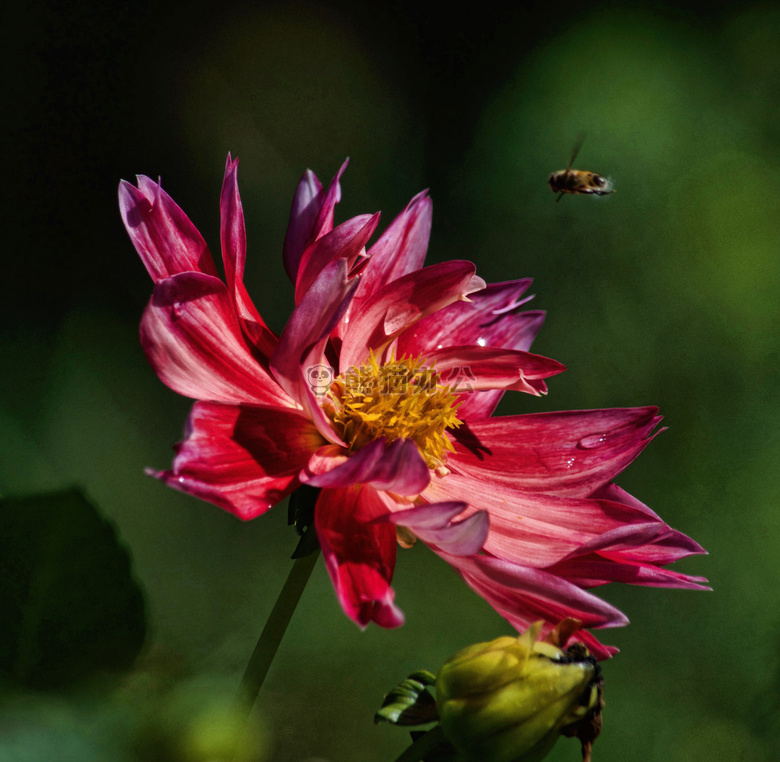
[(570, 453), (233, 239), (476, 368), (345, 241), (523, 595), (403, 302), (310, 325), (400, 249), (311, 216), (492, 317), (360, 558), (397, 467), (166, 240), (192, 339), (243, 459), (433, 524)]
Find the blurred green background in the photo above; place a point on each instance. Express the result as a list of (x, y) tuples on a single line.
[(665, 293)]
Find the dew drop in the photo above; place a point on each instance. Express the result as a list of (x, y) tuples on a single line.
[(482, 342), (569, 462), (178, 310), (592, 441)]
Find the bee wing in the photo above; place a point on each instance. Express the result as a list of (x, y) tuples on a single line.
[(577, 145)]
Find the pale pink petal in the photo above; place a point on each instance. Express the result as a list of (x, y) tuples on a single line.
[(570, 453), (311, 216), (434, 525), (167, 242), (360, 558), (403, 302), (397, 467), (192, 339), (346, 241), (243, 459), (233, 238)]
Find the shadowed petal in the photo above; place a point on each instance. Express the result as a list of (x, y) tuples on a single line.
[(192, 339), (360, 558), (346, 241), (397, 467), (310, 324), (233, 238), (243, 459), (311, 216), (167, 242)]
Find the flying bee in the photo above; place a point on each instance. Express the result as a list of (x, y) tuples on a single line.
[(578, 180)]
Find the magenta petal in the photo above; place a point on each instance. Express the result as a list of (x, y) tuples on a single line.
[(523, 595), (192, 339), (400, 249), (167, 242), (476, 368), (311, 216), (310, 324), (397, 467), (346, 241), (433, 524), (360, 558), (570, 453), (403, 302), (233, 237), (243, 459)]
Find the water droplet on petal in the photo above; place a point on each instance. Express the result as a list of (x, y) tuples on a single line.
[(178, 310), (180, 480), (592, 441), (569, 463), (482, 342)]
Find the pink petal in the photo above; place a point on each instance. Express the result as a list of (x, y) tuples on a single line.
[(233, 237), (346, 241), (475, 368), (166, 240), (397, 467), (433, 524), (570, 453), (400, 249), (193, 341), (310, 325), (523, 595), (360, 558), (311, 216), (403, 302), (593, 570), (532, 528), (493, 318), (243, 459)]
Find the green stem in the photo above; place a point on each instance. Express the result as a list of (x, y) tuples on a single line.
[(273, 632), (422, 746)]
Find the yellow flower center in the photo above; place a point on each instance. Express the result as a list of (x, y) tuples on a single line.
[(397, 400)]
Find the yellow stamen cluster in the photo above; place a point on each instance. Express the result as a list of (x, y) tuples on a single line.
[(400, 399)]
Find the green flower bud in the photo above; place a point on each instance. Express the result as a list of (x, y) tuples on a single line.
[(509, 700)]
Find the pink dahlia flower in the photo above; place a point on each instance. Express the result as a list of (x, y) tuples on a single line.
[(379, 392)]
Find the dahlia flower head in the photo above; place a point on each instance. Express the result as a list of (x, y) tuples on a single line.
[(380, 392)]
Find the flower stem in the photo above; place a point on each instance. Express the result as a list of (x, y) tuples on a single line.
[(422, 746), (273, 632)]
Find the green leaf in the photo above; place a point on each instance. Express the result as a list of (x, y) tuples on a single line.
[(71, 607)]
